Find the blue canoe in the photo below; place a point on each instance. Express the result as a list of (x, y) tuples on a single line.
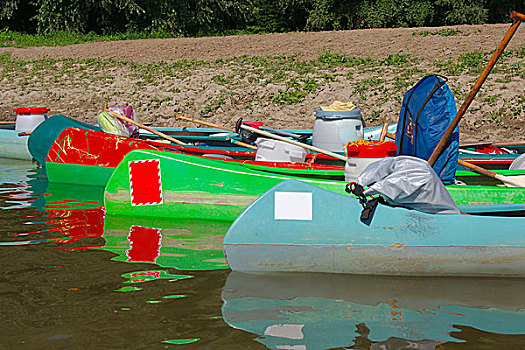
[(298, 227)]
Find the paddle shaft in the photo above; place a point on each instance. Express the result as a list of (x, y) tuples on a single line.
[(279, 132), (384, 132), (390, 135), (7, 122), (509, 144), (292, 142), (517, 16), (442, 143), (153, 131), (211, 125), (492, 174), (240, 143), (483, 171)]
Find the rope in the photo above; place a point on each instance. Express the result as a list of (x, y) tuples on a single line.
[(361, 142)]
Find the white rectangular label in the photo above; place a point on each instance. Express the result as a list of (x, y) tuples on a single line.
[(293, 206)]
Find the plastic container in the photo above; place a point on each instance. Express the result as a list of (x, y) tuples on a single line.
[(28, 118), (269, 150), (361, 155), (518, 163), (333, 129)]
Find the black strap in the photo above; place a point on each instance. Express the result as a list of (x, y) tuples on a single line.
[(247, 136), (369, 206), (357, 190), (238, 125)]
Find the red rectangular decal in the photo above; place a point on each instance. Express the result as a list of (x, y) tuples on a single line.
[(144, 182), (144, 244)]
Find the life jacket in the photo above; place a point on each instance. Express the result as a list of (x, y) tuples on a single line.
[(428, 109)]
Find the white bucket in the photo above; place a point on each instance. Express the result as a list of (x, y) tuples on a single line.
[(28, 118), (361, 155), (333, 129), (355, 166), (518, 163), (269, 150)]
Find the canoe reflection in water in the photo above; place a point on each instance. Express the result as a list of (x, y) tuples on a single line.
[(180, 244), (320, 311)]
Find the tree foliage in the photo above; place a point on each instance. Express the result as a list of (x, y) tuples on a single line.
[(209, 17)]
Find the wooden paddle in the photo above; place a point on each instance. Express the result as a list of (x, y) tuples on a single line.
[(505, 179), (443, 142), (240, 143), (153, 131), (7, 122), (384, 131), (300, 138), (292, 142), (483, 171), (211, 125), (488, 143), (283, 133), (509, 144)]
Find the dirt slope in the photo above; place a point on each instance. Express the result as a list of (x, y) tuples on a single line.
[(76, 88)]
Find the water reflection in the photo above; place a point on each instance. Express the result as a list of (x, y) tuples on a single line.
[(75, 226), (21, 183), (180, 244), (319, 311), (73, 278), (40, 212)]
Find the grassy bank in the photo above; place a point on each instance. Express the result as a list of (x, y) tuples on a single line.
[(62, 38), (255, 85)]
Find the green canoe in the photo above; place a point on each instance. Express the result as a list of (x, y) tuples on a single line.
[(162, 184)]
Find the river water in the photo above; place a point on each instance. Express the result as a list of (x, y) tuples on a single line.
[(72, 278)]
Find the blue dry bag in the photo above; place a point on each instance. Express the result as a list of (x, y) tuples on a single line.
[(427, 111)]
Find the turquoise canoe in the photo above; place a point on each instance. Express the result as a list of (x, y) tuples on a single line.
[(45, 134), (13, 143), (174, 185), (297, 227)]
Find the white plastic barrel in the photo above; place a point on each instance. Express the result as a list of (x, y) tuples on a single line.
[(28, 118), (362, 155), (518, 163), (333, 129), (269, 150)]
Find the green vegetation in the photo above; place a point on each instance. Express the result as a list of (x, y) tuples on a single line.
[(212, 107), (397, 60), (72, 21), (61, 38), (441, 32), (258, 83), (295, 91), (492, 98)]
